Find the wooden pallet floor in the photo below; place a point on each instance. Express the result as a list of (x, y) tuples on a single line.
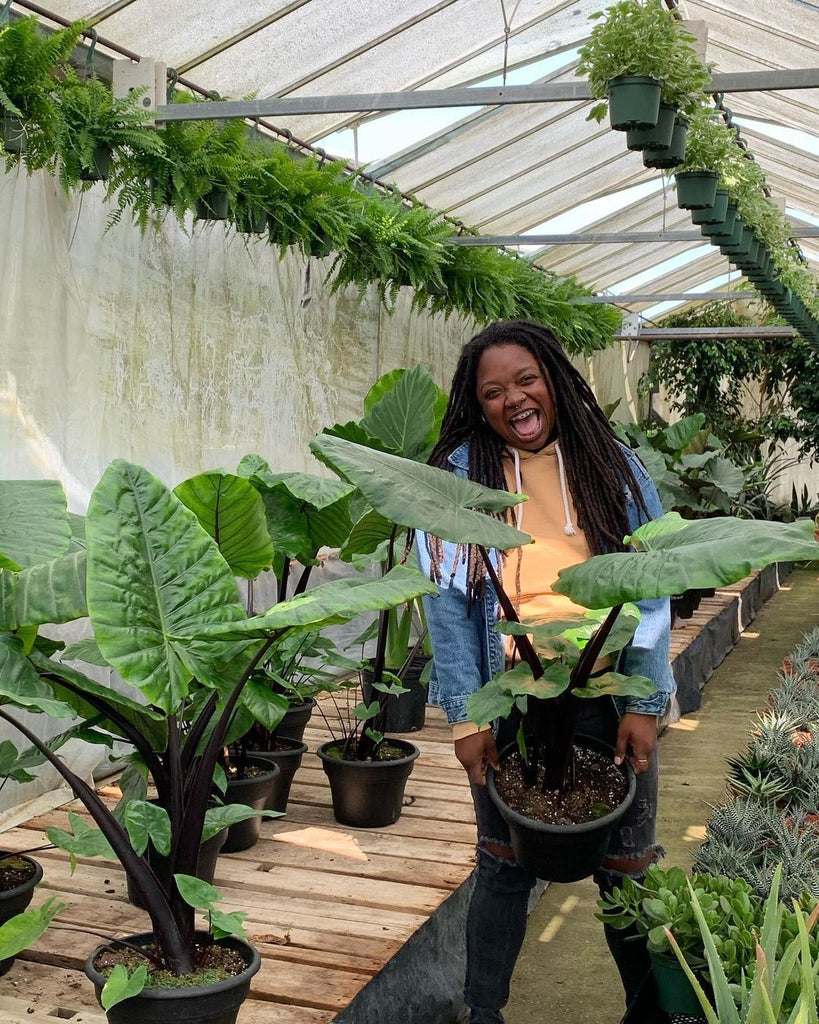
[(327, 905)]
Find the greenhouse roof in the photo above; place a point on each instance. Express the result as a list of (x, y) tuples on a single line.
[(534, 168)]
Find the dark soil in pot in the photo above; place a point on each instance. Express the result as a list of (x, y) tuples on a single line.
[(287, 754), (599, 787), (558, 851), (18, 877), (216, 1000)]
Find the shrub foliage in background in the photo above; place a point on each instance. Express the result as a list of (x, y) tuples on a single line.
[(273, 193)]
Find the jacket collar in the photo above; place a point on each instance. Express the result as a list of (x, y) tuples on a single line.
[(459, 458)]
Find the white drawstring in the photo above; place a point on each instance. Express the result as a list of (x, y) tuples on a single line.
[(568, 529), (518, 489)]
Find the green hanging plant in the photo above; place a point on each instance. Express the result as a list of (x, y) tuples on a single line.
[(92, 120), (29, 60), (642, 39)]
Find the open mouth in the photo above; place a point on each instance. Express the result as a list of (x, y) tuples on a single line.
[(526, 424)]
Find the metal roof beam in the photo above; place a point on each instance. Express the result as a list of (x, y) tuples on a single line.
[(602, 237), (616, 300), (553, 92), (706, 333)]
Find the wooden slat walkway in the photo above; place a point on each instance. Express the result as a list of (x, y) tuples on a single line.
[(327, 905)]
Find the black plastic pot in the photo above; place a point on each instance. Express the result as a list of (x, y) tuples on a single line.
[(658, 137), (407, 711), (100, 167), (295, 720), (561, 853), (634, 102), (14, 134), (218, 1003), (697, 190), (674, 153), (368, 794), (205, 866), (14, 901), (254, 793), (289, 760), (215, 205), (252, 221)]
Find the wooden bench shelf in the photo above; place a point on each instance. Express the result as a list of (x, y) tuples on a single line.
[(327, 905)]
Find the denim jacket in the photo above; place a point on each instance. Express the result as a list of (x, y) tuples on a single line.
[(468, 651)]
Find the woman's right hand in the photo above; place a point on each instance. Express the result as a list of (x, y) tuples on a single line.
[(476, 753)]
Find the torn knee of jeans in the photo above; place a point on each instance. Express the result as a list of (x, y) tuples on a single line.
[(632, 863), (497, 848)]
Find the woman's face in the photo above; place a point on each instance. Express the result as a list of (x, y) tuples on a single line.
[(514, 396)]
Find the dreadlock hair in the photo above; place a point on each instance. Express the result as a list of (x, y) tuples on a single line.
[(597, 470)]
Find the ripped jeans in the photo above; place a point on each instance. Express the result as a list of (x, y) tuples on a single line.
[(496, 920)]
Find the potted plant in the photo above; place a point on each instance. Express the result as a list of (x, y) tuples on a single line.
[(402, 414), (671, 556), (709, 144), (640, 41), (164, 608), (92, 125), (29, 58)]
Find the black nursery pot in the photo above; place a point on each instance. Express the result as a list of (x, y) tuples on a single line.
[(255, 793), (406, 712), (14, 901), (205, 866), (218, 1003), (295, 720), (288, 760), (561, 853), (368, 794)]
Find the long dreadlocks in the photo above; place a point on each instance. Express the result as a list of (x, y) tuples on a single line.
[(597, 470)]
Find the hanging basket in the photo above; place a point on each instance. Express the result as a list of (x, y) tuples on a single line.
[(658, 137), (634, 102), (100, 168), (714, 214), (675, 154), (14, 134), (561, 853), (214, 205), (697, 190)]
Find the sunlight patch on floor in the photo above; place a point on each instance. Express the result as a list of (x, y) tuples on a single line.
[(685, 725), (556, 923), (327, 840), (694, 834)]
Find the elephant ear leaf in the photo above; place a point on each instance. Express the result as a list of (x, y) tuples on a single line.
[(422, 497), (400, 410), (153, 574), (34, 523), (232, 511)]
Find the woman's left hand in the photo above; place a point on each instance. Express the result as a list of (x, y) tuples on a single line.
[(639, 734)]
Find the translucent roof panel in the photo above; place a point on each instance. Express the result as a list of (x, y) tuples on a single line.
[(504, 170)]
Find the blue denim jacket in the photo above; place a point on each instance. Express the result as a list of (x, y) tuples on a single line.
[(468, 651)]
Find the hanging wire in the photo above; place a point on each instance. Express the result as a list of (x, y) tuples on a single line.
[(89, 57), (507, 31), (173, 78)]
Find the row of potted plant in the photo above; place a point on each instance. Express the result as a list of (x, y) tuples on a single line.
[(706, 930), (72, 125), (642, 67)]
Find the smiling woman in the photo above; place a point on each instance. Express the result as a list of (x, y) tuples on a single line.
[(521, 418)]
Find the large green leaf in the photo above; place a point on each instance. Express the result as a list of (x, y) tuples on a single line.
[(23, 930), (333, 602), (680, 434), (52, 592), (366, 536), (232, 511), (153, 573), (705, 553), (400, 410), (21, 686), (34, 526), (422, 497), (725, 475), (614, 684), (65, 681)]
